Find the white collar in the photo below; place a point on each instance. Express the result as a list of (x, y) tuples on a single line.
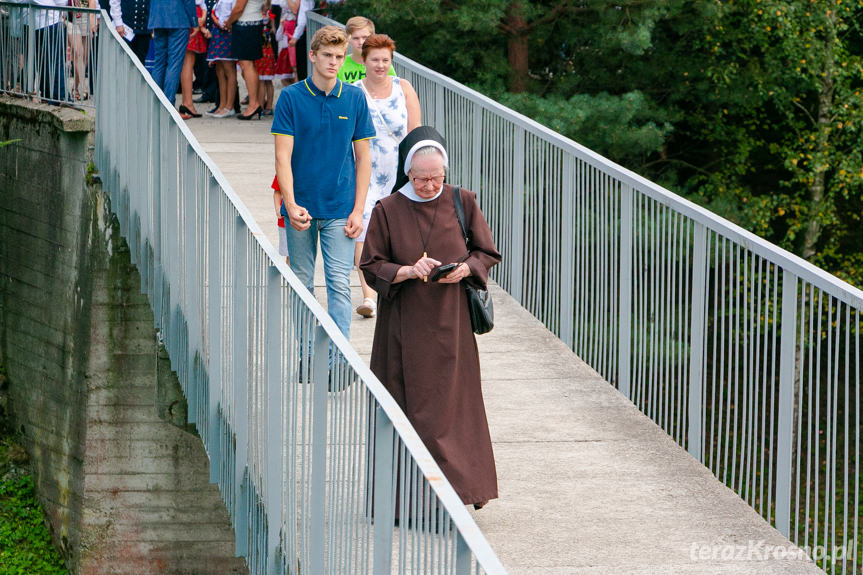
[(408, 191)]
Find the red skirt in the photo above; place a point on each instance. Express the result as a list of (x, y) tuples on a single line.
[(197, 42), (287, 60), (266, 64)]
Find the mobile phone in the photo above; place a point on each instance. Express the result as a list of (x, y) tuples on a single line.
[(441, 271)]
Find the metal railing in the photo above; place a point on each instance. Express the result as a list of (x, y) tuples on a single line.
[(748, 356), (316, 481), (48, 53)]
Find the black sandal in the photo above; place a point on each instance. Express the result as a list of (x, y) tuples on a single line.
[(187, 112)]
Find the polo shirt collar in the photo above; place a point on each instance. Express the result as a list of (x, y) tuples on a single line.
[(315, 91)]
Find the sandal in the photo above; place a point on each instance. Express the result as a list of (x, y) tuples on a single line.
[(186, 113), (368, 308)]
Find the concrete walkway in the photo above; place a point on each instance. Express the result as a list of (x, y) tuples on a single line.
[(588, 485)]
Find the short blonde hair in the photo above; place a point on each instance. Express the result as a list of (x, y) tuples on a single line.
[(358, 23), (329, 36)]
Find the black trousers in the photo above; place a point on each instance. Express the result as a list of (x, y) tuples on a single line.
[(302, 58), (140, 45)]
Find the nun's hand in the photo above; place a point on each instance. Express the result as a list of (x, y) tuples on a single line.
[(423, 267), (354, 227), (456, 275)]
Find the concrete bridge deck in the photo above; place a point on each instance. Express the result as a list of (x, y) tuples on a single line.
[(588, 485)]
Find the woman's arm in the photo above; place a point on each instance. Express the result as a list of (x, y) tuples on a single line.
[(412, 102), (239, 6)]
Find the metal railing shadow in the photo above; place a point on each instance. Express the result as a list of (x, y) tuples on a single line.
[(320, 470)]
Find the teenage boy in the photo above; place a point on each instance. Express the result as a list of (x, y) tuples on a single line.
[(322, 129), (358, 29)]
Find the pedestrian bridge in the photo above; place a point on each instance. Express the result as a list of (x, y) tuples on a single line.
[(667, 393)]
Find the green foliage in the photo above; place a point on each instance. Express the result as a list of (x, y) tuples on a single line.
[(25, 543), (623, 126), (752, 108)]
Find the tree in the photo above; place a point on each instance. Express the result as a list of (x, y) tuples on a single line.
[(784, 117)]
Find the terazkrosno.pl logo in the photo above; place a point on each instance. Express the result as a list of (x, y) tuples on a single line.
[(763, 551)]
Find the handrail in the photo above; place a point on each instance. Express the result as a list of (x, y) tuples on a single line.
[(313, 479), (747, 355)]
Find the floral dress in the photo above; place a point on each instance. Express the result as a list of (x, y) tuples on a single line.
[(390, 117)]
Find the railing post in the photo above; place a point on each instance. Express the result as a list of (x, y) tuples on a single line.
[(476, 152), (517, 235), (318, 509), (785, 428), (162, 161), (624, 328), (384, 511), (240, 356), (214, 279), (462, 555), (274, 447), (30, 65), (696, 343)]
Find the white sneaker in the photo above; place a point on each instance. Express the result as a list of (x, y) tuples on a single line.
[(368, 308), (225, 114)]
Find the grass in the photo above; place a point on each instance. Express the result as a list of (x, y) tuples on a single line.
[(25, 541)]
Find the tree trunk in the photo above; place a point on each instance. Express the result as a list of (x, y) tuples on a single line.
[(517, 46), (818, 185)]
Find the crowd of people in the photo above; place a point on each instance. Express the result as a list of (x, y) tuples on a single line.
[(208, 41), (357, 174)]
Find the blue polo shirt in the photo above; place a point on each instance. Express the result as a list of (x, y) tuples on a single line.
[(324, 127)]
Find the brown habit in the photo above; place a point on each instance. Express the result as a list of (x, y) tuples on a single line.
[(424, 349)]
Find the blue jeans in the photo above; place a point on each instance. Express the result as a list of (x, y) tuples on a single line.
[(169, 49), (337, 250)]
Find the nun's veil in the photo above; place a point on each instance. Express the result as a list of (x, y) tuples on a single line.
[(419, 137)]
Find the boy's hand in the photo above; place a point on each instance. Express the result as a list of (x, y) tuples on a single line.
[(354, 227), (299, 217)]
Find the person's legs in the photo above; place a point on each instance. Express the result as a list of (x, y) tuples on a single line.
[(140, 45), (211, 83), (223, 84), (177, 40), (337, 250), (160, 57), (268, 95), (230, 85), (358, 252), (303, 247), (186, 77), (77, 45), (250, 76)]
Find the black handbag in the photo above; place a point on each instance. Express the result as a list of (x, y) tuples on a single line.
[(478, 300)]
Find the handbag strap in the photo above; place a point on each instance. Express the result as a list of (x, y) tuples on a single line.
[(459, 212), (378, 110)]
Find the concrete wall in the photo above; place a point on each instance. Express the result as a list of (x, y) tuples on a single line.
[(124, 491)]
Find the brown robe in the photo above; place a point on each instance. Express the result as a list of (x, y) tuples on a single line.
[(424, 349)]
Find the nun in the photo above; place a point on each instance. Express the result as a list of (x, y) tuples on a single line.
[(424, 350)]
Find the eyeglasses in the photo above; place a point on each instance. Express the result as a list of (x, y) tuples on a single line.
[(423, 182)]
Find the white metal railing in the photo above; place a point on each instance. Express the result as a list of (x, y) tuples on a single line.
[(747, 355), (313, 479), (48, 52)]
